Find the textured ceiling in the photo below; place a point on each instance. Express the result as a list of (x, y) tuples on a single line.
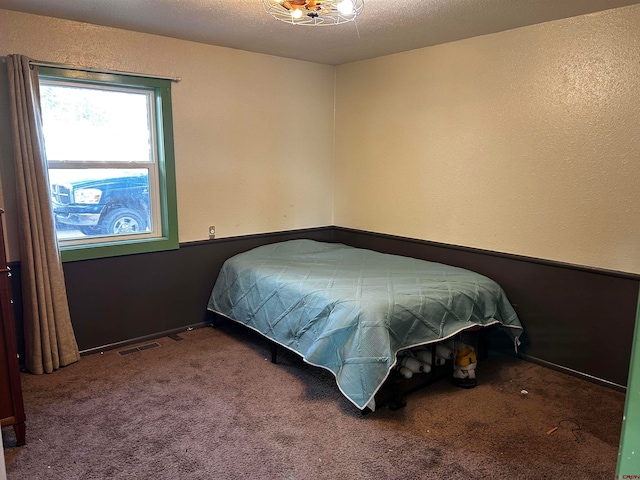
[(384, 27)]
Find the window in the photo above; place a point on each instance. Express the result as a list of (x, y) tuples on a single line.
[(109, 148)]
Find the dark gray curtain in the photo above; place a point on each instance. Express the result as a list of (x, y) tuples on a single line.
[(49, 339)]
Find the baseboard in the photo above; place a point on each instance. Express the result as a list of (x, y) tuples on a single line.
[(145, 338), (573, 373)]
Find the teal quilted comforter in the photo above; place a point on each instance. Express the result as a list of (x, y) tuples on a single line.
[(351, 310)]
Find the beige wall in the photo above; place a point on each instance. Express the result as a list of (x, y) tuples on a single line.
[(523, 142), (526, 142), (254, 149)]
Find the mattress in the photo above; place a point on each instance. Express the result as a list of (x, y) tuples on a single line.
[(351, 310)]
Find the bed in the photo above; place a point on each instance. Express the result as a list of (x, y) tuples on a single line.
[(351, 310)]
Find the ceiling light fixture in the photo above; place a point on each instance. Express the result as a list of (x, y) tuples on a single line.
[(314, 12)]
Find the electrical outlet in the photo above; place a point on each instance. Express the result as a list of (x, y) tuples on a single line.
[(212, 232)]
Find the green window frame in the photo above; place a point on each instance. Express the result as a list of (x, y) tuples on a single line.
[(167, 238)]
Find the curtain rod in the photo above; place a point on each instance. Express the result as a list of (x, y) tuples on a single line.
[(96, 70)]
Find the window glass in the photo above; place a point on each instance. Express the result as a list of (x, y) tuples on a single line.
[(109, 151), (80, 197), (96, 124)]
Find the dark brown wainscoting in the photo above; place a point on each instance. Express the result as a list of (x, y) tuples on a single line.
[(578, 319), (114, 301)]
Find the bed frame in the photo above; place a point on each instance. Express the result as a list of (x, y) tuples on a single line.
[(396, 388)]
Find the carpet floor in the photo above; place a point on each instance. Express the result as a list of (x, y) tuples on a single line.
[(212, 406)]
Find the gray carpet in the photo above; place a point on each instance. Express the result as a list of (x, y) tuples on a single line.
[(213, 406)]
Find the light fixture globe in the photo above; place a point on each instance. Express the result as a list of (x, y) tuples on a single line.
[(314, 12)]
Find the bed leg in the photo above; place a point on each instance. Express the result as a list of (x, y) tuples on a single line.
[(397, 401), (274, 353), (212, 319)]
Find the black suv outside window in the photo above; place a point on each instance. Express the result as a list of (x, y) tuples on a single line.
[(109, 148)]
